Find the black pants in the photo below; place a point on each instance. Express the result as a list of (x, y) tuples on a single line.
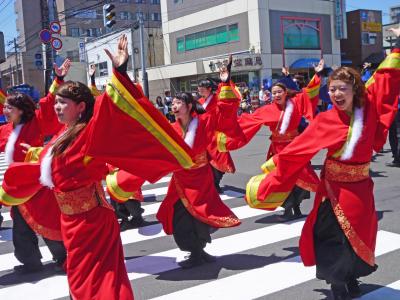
[(189, 233), (394, 138), (217, 177), (295, 197), (336, 261), (129, 208), (26, 244)]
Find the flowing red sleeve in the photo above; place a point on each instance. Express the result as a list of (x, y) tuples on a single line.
[(250, 124), (223, 122), (127, 132), (307, 100), (3, 97), (46, 115), (289, 163), (383, 90)]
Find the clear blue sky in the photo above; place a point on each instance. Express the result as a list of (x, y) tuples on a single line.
[(7, 16)]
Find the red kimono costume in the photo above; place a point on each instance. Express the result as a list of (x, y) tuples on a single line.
[(222, 161), (346, 189), (194, 187), (95, 260), (2, 100), (44, 222), (283, 124)]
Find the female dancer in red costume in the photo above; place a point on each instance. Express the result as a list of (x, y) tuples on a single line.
[(28, 126), (339, 235), (192, 203), (283, 118), (71, 165)]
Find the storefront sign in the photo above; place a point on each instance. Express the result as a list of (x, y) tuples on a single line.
[(371, 27), (237, 63), (340, 20)]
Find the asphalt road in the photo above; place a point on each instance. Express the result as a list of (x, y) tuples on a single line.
[(257, 260)]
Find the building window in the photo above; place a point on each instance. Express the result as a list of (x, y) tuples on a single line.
[(207, 38), (155, 16), (368, 38), (233, 31), (155, 1), (125, 1), (101, 69), (180, 44), (178, 1), (140, 1), (301, 33), (73, 55), (93, 32), (74, 32), (145, 15), (124, 15)]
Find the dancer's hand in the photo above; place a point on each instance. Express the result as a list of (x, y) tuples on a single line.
[(225, 71), (318, 68), (62, 71), (92, 70), (121, 56), (285, 71), (395, 31), (26, 147)]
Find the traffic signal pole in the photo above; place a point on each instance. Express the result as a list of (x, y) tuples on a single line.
[(143, 56)]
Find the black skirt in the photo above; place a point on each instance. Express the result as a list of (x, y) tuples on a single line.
[(189, 233), (336, 261)]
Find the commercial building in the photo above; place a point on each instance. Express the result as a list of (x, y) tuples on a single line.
[(263, 35), (364, 42)]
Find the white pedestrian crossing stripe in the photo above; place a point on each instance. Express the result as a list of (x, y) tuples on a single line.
[(245, 284)]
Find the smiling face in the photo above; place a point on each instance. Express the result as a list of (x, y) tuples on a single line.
[(12, 113), (342, 95), (180, 109), (279, 95), (67, 110)]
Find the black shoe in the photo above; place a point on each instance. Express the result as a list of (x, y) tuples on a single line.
[(393, 164), (297, 212), (219, 190), (353, 287), (287, 215), (339, 292), (28, 269), (194, 260), (208, 257), (124, 225), (137, 222)]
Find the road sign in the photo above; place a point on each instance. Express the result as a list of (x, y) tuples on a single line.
[(45, 36), (55, 27), (56, 43)]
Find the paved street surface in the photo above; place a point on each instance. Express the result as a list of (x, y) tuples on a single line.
[(257, 260)]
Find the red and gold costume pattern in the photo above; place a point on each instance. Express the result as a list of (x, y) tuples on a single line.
[(90, 231), (194, 187), (346, 183)]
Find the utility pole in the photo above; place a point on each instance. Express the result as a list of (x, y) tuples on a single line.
[(143, 56), (16, 59), (133, 54), (45, 24)]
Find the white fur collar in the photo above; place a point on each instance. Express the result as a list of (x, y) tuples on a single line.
[(10, 146), (45, 169), (191, 132), (286, 117), (208, 100), (356, 133)]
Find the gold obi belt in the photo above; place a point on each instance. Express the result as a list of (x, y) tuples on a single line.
[(338, 171), (200, 160), (288, 136), (82, 200)]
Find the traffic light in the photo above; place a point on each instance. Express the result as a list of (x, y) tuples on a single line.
[(108, 15)]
